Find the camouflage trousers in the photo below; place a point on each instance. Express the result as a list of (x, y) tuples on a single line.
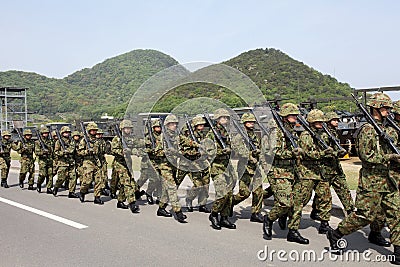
[(27, 166), (66, 173), (91, 172), (224, 182), (201, 183), (302, 192), (125, 183), (104, 175), (45, 172), (368, 205), (169, 192), (250, 184), (283, 197), (323, 199), (5, 164), (147, 172)]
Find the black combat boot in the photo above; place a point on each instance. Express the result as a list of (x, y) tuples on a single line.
[(98, 201), (180, 217), (334, 236), (21, 184), (82, 197), (203, 208), (282, 222), (30, 187), (4, 183), (267, 227), (113, 195), (214, 221), (256, 217), (163, 212), (133, 207), (294, 236), (39, 188), (139, 194), (315, 215), (104, 192), (121, 205), (49, 191), (224, 222), (189, 205), (149, 199), (55, 191), (324, 227), (377, 239), (72, 195), (396, 255)]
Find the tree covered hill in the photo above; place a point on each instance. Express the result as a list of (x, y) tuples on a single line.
[(108, 86)]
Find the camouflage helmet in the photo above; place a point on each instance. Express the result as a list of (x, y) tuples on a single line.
[(396, 107), (198, 120), (156, 123), (221, 112), (379, 100), (44, 130), (331, 115), (100, 131), (315, 115), (289, 109), (27, 132), (76, 133), (91, 126), (125, 124), (65, 129), (171, 118), (247, 117), (5, 133)]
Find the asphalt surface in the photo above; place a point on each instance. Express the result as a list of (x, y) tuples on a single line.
[(115, 237)]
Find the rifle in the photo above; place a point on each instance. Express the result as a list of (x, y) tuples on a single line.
[(315, 136), (288, 135), (190, 129), (118, 132), (216, 134), (393, 123), (128, 158), (166, 136), (85, 136), (150, 133), (21, 138), (61, 140), (331, 137), (262, 127), (42, 144), (245, 137)]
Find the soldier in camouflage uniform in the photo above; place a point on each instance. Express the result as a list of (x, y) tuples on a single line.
[(198, 174), (376, 191), (55, 160), (91, 164), (283, 175), (45, 161), (65, 162), (26, 148), (221, 172), (122, 167), (394, 166), (105, 148), (167, 170), (248, 161), (5, 157), (76, 137)]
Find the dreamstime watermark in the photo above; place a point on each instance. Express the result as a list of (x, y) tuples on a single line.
[(310, 255)]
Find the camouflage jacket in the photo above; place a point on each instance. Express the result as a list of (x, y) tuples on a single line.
[(157, 151), (65, 158), (220, 153), (331, 165), (374, 173), (45, 154), (120, 154), (92, 155), (26, 150), (244, 153), (394, 168), (7, 146), (188, 147), (78, 159)]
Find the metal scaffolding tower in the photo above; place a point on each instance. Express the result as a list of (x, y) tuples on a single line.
[(13, 107)]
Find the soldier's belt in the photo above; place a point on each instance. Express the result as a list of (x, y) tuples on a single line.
[(283, 162)]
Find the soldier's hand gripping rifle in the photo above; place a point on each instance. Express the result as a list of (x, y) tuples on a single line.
[(150, 133), (215, 132), (315, 136), (60, 140), (190, 129), (41, 142), (288, 135), (245, 137), (85, 136), (165, 134), (332, 138), (21, 138)]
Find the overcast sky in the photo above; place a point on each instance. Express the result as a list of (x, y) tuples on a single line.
[(357, 42)]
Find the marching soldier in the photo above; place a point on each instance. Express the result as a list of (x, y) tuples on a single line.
[(394, 166), (122, 167), (221, 172), (44, 151), (283, 175), (26, 148), (5, 157), (376, 191), (249, 160), (76, 137), (105, 148), (64, 150)]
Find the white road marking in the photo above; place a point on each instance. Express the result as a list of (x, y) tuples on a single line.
[(44, 214)]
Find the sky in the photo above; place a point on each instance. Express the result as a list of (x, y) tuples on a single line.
[(357, 42)]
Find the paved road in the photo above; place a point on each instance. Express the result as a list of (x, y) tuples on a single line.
[(115, 237)]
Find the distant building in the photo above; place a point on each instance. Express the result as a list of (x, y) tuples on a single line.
[(14, 111)]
